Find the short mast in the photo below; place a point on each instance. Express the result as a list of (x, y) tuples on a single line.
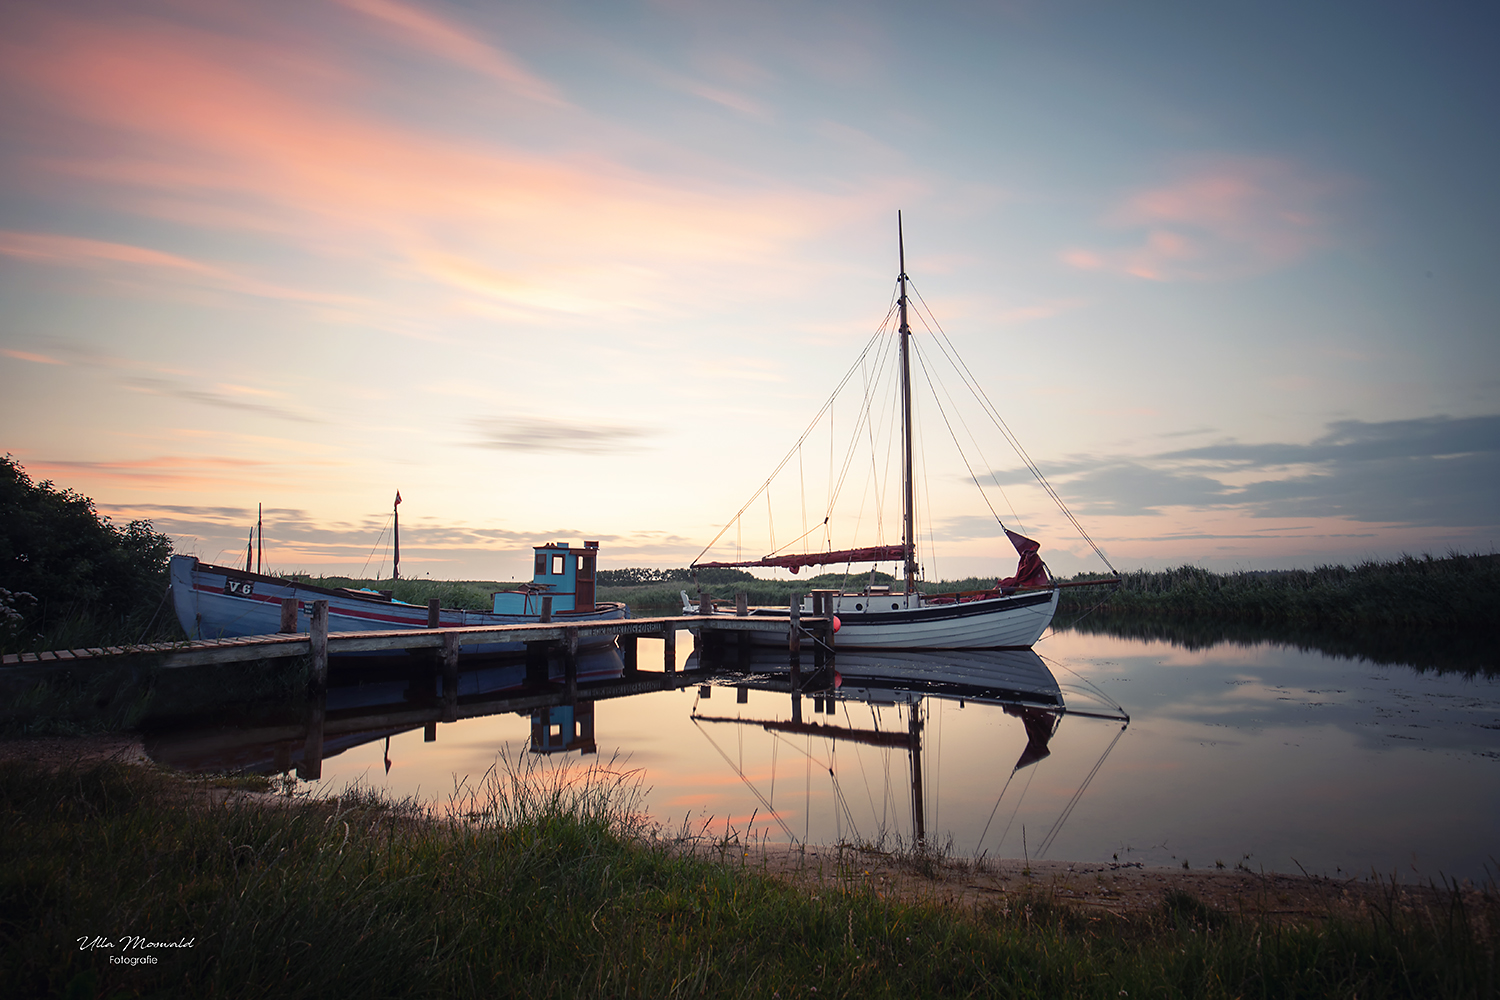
[(908, 525), (396, 536)]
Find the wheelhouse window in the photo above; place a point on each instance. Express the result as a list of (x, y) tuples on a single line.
[(557, 566), (541, 564)]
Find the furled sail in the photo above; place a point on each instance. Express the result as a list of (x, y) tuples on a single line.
[(876, 553)]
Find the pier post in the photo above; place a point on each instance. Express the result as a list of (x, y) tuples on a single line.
[(628, 654), (288, 615), (669, 640), (742, 604), (433, 606), (318, 646), (311, 768), (705, 603), (536, 663), (450, 674), (794, 629), (547, 608), (570, 662), (429, 733)]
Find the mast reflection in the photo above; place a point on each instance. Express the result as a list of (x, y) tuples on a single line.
[(1016, 681)]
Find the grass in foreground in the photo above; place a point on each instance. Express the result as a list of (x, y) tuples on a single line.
[(549, 887)]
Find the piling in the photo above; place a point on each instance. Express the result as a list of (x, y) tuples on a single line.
[(288, 615), (449, 662), (318, 646), (433, 607), (570, 662)]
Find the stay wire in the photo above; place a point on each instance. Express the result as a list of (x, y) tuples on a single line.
[(810, 427), (1068, 810), (974, 387)]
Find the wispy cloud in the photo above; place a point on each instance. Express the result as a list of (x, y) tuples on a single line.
[(443, 38), (1227, 218), (72, 251), (255, 134), (226, 397), (40, 359), (529, 433)]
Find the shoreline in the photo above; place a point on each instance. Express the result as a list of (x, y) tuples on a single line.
[(1102, 888)]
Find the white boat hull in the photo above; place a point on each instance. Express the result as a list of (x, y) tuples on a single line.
[(896, 621), (216, 602)]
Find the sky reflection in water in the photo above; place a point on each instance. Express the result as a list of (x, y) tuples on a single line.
[(1261, 755)]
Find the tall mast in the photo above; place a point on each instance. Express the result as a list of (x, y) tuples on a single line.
[(908, 526)]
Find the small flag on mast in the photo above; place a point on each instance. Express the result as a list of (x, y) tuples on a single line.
[(398, 498)]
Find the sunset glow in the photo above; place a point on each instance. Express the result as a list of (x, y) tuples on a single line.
[(555, 271)]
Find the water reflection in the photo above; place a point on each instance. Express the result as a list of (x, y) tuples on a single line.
[(1017, 682), (1447, 650), (1266, 755)]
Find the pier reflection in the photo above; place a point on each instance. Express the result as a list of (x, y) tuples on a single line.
[(378, 699), (383, 698)]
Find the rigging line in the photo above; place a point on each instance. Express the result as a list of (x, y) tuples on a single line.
[(1068, 810), (799, 538), (1024, 789), (995, 809), (753, 789), (928, 376), (366, 566), (1089, 684), (838, 792), (864, 776), (802, 484), (770, 519), (974, 387), (864, 420), (813, 424)]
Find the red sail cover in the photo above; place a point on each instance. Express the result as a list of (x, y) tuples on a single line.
[(878, 553), (1030, 572)]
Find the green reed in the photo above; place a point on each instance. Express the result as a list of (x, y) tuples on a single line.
[(544, 882), (1456, 590)]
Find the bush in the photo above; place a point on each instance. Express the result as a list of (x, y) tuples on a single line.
[(69, 576)]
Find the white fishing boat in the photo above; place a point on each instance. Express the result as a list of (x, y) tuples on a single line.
[(217, 602), (1013, 613)]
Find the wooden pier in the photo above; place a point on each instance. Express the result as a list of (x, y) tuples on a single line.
[(321, 644)]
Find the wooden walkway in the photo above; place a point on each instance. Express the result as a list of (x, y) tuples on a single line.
[(201, 652)]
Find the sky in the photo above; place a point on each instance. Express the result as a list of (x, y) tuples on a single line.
[(563, 271)]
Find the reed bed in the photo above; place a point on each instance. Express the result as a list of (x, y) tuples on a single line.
[(1413, 591), (548, 884)]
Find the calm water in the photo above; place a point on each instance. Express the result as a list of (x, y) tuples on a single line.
[(1261, 755)]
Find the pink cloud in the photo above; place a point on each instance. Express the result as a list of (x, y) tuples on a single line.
[(1227, 218), (50, 248), (40, 359), (436, 35), (246, 133)]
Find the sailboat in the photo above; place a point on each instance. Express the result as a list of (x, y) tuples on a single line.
[(1011, 614)]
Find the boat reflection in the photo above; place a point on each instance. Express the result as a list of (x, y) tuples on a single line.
[(1017, 681)]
